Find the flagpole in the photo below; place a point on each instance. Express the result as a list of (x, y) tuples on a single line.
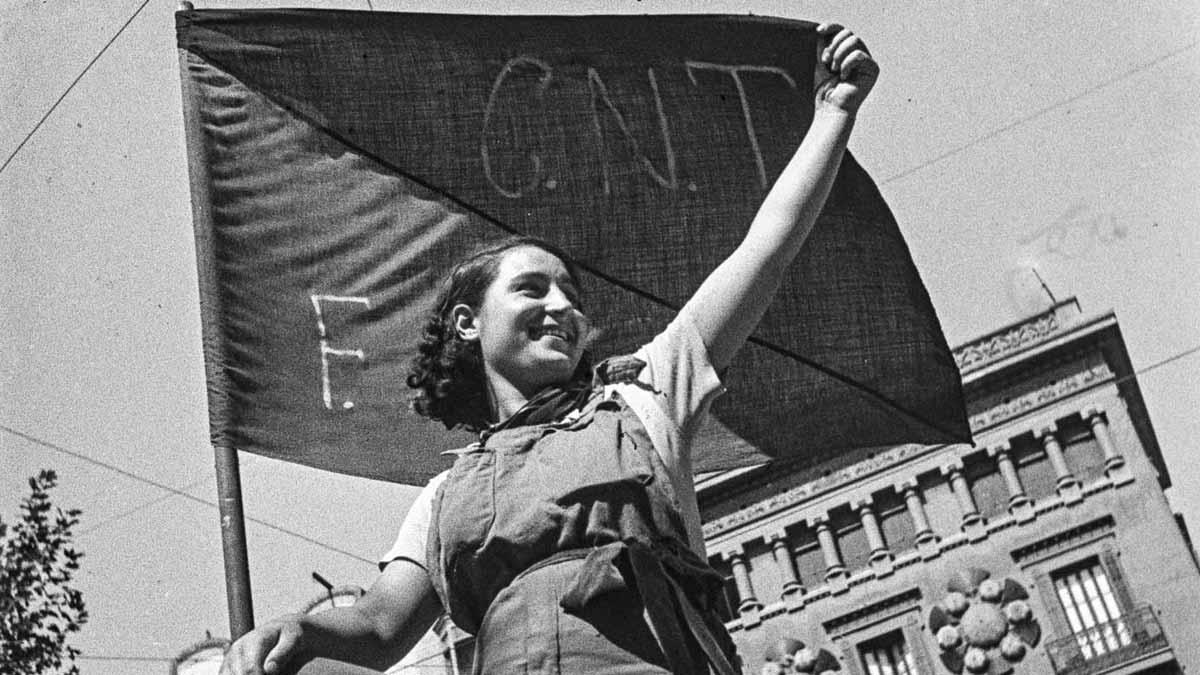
[(233, 543), (229, 488)]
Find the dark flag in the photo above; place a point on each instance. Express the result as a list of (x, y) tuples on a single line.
[(342, 161)]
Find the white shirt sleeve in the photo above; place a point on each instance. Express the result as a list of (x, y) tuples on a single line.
[(672, 395), (414, 531), (674, 390)]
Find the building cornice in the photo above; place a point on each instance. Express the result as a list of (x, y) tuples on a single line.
[(1050, 332), (1038, 398), (807, 491)]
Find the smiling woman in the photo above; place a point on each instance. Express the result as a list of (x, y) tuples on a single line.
[(567, 539), (523, 279)]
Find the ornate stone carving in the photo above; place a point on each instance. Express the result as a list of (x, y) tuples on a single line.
[(1022, 404), (792, 656), (982, 624), (975, 355), (812, 489)]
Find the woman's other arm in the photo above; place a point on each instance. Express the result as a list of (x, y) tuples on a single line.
[(730, 303), (376, 632)]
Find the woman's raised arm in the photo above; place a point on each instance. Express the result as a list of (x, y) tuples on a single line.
[(729, 304), (376, 632)]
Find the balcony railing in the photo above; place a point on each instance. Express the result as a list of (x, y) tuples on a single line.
[(1108, 645)]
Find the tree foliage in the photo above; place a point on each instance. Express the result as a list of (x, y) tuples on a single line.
[(38, 607)]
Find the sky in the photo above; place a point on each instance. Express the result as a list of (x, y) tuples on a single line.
[(1008, 137)]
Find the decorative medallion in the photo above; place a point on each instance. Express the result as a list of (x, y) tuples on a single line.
[(983, 625), (792, 656)]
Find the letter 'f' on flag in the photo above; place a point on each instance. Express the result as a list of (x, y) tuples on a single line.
[(341, 162)]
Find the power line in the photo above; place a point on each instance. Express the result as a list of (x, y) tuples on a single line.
[(1038, 113), (1169, 359), (175, 491), (73, 83), (135, 509)]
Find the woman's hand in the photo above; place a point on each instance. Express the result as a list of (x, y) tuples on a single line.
[(374, 632), (266, 649), (845, 70)]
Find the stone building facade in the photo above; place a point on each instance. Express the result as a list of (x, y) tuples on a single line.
[(1047, 548)]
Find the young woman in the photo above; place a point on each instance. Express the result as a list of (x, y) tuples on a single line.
[(568, 538)]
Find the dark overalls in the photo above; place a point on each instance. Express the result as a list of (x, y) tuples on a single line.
[(561, 547)]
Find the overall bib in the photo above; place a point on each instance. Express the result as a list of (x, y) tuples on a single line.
[(560, 546)]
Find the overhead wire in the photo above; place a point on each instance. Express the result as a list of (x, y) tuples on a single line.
[(140, 507), (71, 86), (1039, 113), (176, 491)]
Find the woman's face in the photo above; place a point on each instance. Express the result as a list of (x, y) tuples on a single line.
[(529, 325)]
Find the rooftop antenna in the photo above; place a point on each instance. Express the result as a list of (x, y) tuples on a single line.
[(1053, 300)]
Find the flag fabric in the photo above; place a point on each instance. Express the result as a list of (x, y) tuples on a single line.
[(342, 161)]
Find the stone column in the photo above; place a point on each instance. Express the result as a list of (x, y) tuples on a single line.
[(1068, 486), (1018, 502), (1114, 463), (926, 539), (972, 521), (834, 569), (880, 558), (793, 590), (748, 605)]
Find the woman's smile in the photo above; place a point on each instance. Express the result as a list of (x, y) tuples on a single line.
[(553, 332)]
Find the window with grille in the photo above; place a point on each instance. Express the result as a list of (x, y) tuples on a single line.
[(1092, 609), (888, 654)]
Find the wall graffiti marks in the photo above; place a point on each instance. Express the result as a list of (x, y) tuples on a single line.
[(599, 93), (320, 303), (1076, 233), (735, 72), (1079, 233)]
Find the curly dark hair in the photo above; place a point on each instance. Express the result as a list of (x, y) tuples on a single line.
[(448, 371)]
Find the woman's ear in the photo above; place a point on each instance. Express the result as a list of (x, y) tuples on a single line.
[(464, 322)]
